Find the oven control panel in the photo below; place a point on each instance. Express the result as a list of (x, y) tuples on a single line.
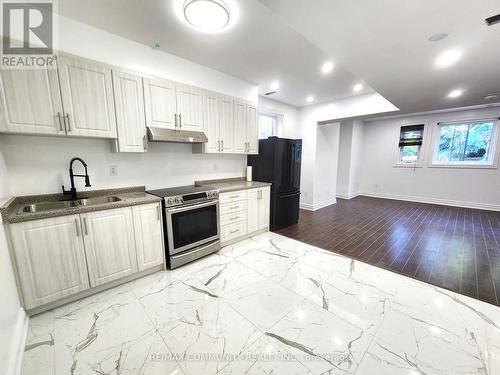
[(188, 198)]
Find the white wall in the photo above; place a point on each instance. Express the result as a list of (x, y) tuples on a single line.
[(356, 158), (12, 317), (463, 187), (40, 164)]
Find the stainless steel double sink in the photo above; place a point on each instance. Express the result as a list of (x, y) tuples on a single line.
[(60, 205)]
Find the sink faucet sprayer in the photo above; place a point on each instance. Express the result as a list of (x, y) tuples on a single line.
[(72, 176)]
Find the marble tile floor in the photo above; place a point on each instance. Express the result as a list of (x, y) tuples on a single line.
[(268, 305)]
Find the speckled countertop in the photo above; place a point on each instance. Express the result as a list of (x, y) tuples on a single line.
[(232, 184), (130, 196)]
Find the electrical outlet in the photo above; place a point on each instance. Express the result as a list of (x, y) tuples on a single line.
[(113, 170)]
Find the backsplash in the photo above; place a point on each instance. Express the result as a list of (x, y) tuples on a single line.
[(39, 165)]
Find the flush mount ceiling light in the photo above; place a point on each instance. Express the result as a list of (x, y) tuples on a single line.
[(455, 94), (310, 99), (438, 37), (357, 87), (448, 58), (207, 15), (327, 67)]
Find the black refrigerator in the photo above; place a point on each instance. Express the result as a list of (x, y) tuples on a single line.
[(278, 162)]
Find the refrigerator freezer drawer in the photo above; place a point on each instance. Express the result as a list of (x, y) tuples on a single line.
[(286, 210)]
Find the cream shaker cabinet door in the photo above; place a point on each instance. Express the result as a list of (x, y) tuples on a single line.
[(50, 259), (159, 98), (240, 127), (30, 102), (211, 123), (130, 119), (252, 210), (148, 235), (252, 130), (189, 108), (226, 113), (264, 207), (87, 95), (109, 244)]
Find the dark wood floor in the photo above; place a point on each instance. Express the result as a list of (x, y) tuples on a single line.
[(451, 247)]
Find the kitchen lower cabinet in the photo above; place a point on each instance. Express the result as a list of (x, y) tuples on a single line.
[(63, 258), (148, 231), (243, 213), (50, 259), (109, 245), (258, 203)]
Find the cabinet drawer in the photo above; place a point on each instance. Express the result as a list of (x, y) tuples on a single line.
[(232, 197), (233, 217), (229, 232), (232, 207)]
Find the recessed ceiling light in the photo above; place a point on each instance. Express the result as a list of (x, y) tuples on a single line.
[(492, 96), (358, 87), (448, 58), (310, 99), (438, 37), (327, 67), (275, 85), (207, 15), (455, 93)]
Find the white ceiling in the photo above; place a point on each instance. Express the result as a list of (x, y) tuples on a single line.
[(259, 48), (386, 43)]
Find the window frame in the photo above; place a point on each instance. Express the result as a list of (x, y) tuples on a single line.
[(493, 160), (278, 123), (421, 155)]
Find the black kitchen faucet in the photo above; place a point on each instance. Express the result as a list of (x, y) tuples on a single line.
[(72, 176)]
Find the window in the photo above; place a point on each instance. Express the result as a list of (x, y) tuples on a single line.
[(469, 143), (410, 144), (269, 125)]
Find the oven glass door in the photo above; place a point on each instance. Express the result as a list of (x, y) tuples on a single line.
[(192, 226)]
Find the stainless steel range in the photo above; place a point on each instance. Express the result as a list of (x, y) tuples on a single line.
[(191, 223)]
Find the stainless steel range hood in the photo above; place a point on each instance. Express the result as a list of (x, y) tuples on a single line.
[(179, 136)]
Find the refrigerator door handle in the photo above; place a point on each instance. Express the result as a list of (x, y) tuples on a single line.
[(292, 165), (290, 194)]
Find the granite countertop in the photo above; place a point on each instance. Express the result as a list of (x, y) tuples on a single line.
[(232, 184), (130, 196)]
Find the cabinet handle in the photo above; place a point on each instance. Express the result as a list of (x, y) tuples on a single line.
[(66, 117), (234, 218), (158, 212), (234, 231), (234, 207), (175, 116), (144, 142), (60, 121), (77, 228), (85, 225), (222, 143), (218, 145), (180, 120)]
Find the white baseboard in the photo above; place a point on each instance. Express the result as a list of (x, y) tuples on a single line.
[(444, 202), (348, 196), (317, 206), (18, 343)]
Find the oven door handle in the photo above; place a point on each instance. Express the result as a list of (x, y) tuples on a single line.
[(191, 207)]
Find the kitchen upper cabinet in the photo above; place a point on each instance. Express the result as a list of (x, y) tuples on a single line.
[(50, 259), (160, 106), (258, 209), (30, 102), (240, 127), (189, 102), (87, 95), (252, 135), (130, 118), (226, 118), (148, 235), (109, 244), (211, 123)]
